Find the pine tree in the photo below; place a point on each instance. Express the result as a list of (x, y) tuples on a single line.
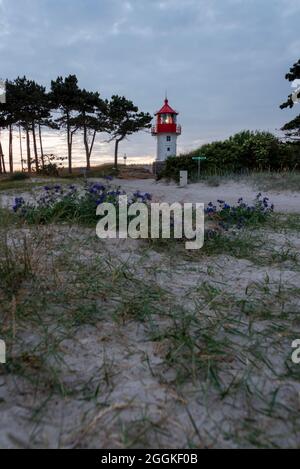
[(91, 118), (65, 98), (124, 119), (292, 128)]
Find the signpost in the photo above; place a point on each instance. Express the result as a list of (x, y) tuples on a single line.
[(183, 177), (199, 158)]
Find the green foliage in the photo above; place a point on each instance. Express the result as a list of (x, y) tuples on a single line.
[(292, 128), (68, 107), (124, 119), (240, 215), (174, 164), (50, 165), (72, 204), (91, 118), (18, 176), (293, 74), (243, 152), (57, 204), (50, 169)]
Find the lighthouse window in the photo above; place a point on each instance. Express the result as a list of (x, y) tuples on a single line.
[(168, 138), (168, 149), (166, 119)]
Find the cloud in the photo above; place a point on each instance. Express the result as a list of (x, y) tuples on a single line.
[(222, 61), (289, 7)]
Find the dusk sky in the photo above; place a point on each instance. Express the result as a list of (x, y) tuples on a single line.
[(222, 62)]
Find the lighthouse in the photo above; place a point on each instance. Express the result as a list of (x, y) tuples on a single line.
[(166, 131)]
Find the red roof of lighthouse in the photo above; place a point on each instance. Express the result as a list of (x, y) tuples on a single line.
[(166, 109)]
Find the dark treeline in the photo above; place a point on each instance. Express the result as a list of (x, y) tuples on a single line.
[(29, 107)]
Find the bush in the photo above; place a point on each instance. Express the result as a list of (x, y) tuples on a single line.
[(71, 204), (94, 172), (240, 215), (18, 176), (50, 165), (241, 153), (50, 169)]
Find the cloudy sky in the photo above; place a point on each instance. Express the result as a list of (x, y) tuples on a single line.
[(222, 62)]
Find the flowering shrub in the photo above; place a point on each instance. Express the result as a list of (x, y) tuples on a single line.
[(146, 197), (241, 214), (58, 203), (73, 204)]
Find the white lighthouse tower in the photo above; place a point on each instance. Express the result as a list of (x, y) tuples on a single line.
[(166, 131)]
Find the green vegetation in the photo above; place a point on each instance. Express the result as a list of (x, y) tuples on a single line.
[(72, 204), (17, 176), (292, 128), (243, 153)]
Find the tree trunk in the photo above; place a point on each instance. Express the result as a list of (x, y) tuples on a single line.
[(2, 163), (92, 145), (41, 146), (36, 156), (10, 150), (69, 136), (21, 149), (116, 153), (88, 148), (28, 150)]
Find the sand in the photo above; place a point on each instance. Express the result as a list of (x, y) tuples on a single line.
[(229, 191), (124, 391), (285, 202)]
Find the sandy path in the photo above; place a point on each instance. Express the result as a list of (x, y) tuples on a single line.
[(199, 192), (284, 202)]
